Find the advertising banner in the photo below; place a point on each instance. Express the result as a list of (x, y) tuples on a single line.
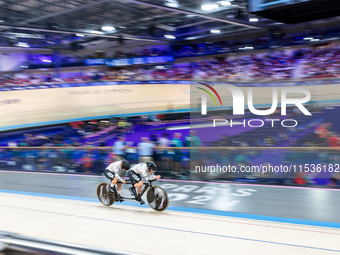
[(130, 61)]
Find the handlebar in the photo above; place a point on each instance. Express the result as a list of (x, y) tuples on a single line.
[(155, 180)]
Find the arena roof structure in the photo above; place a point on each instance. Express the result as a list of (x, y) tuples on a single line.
[(47, 23)]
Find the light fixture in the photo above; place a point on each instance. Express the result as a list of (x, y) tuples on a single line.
[(50, 42), (24, 66), (95, 32), (315, 40), (46, 60), (246, 48), (215, 31), (253, 19), (80, 35), (209, 7), (308, 38), (108, 28), (191, 38), (2, 21), (172, 3), (23, 44), (225, 3), (170, 36)]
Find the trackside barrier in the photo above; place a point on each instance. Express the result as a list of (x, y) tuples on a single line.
[(283, 165), (11, 243)]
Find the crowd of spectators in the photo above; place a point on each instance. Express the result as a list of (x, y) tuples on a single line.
[(323, 63), (286, 65), (298, 64), (249, 68)]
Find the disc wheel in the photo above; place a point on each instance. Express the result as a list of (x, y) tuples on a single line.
[(104, 194), (157, 198)]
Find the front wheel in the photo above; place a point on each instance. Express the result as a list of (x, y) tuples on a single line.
[(104, 194), (157, 198)]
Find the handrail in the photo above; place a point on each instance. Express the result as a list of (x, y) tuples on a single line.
[(183, 148), (15, 243)]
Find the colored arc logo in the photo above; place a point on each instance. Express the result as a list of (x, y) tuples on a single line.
[(218, 96)]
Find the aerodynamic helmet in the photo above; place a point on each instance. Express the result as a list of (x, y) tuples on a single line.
[(125, 164), (151, 166)]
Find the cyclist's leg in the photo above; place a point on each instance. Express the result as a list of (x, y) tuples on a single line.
[(111, 176), (139, 186), (136, 180), (119, 187)]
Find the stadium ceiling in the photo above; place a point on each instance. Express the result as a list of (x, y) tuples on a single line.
[(47, 23)]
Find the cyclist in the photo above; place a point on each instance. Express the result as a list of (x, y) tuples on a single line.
[(112, 173), (142, 171)]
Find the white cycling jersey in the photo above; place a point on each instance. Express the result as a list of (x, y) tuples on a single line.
[(115, 168), (142, 169)]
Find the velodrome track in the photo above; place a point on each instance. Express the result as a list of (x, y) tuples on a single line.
[(231, 218)]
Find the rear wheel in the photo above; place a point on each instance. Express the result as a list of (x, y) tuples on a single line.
[(104, 194), (157, 198)]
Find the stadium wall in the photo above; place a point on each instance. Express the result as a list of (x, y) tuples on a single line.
[(26, 107)]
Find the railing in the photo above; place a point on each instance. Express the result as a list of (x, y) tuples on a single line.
[(11, 243), (246, 83), (284, 165)]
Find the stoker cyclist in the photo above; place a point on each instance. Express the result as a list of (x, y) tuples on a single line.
[(112, 173)]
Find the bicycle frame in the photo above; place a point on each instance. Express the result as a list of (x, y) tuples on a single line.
[(146, 186)]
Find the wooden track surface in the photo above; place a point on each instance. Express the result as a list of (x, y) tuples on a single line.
[(145, 231)]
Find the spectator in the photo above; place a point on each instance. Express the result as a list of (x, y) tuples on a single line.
[(145, 150), (176, 142), (41, 160), (192, 140), (322, 133), (119, 148), (156, 155), (87, 163), (164, 155), (333, 140)]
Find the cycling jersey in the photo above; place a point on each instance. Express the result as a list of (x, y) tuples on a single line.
[(115, 168), (142, 169)]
